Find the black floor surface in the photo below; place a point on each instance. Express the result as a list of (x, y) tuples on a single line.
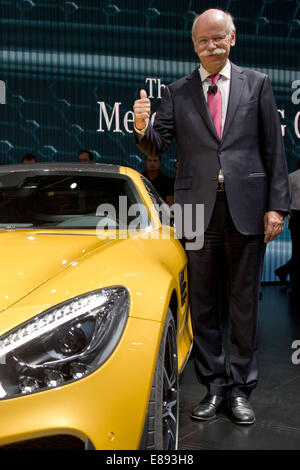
[(276, 400)]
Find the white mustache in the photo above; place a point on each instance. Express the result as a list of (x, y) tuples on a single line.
[(217, 51)]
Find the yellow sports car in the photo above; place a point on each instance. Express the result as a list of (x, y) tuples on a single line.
[(94, 324)]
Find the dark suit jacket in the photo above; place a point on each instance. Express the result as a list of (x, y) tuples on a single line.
[(251, 151)]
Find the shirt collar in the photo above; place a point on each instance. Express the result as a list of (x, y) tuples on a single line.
[(225, 72)]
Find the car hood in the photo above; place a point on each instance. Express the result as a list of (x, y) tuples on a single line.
[(30, 258)]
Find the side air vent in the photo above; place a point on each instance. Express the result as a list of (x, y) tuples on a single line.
[(183, 287)]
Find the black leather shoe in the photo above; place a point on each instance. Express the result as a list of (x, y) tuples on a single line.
[(241, 410), (279, 272), (208, 407)]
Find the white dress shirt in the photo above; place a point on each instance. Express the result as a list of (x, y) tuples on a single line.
[(223, 85)]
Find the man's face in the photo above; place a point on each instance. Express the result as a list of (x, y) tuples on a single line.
[(84, 157), (211, 41), (152, 164)]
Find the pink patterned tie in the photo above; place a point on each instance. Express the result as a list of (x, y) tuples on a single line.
[(214, 103)]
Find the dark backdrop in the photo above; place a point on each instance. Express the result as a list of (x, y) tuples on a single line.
[(71, 70)]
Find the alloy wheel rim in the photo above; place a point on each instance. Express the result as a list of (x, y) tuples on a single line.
[(170, 392)]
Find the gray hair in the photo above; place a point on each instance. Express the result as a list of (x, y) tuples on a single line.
[(230, 27)]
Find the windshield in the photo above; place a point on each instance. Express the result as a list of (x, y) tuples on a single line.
[(65, 200)]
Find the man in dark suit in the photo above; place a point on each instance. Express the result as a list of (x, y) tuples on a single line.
[(231, 159)]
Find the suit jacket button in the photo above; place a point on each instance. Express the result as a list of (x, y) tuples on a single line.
[(215, 178)]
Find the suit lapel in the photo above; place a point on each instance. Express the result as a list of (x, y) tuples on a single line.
[(195, 89), (237, 83)]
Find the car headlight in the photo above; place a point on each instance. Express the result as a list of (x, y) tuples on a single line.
[(62, 344)]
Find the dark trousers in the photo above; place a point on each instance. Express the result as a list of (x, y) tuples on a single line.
[(292, 267), (294, 226), (229, 262)]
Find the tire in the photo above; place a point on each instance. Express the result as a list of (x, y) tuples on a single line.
[(161, 423)]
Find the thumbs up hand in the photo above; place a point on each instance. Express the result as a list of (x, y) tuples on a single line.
[(141, 110)]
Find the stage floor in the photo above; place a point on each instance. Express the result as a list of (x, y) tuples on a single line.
[(276, 400)]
